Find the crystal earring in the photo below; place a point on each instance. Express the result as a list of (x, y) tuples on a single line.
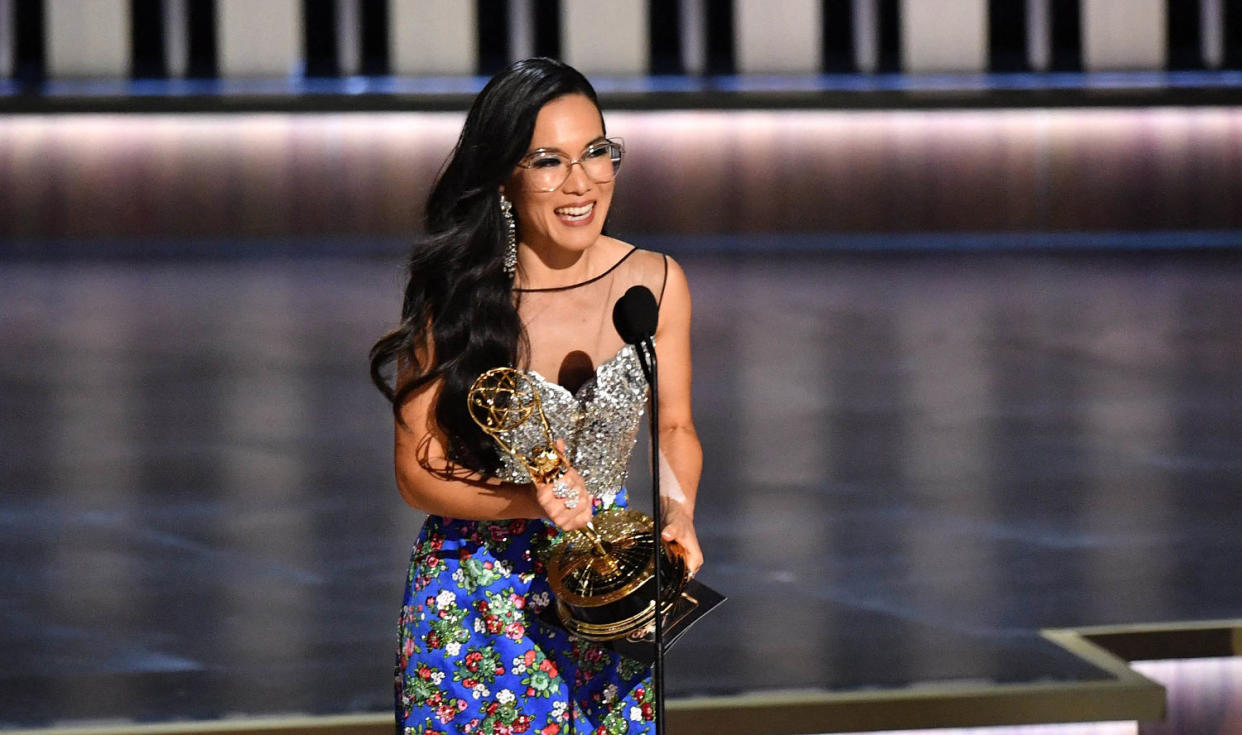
[(506, 211)]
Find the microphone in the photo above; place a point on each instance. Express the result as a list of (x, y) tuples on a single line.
[(635, 315)]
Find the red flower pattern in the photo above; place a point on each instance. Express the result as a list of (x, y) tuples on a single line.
[(466, 674)]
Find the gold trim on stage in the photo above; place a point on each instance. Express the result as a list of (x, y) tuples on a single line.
[(1125, 696)]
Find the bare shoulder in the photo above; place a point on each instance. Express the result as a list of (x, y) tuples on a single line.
[(666, 279), (675, 293), (648, 267)]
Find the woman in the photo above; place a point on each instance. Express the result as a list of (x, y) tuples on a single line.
[(515, 271)]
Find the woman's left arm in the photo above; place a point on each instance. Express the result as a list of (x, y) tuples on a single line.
[(681, 455)]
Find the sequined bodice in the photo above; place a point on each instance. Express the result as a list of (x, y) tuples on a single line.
[(599, 423)]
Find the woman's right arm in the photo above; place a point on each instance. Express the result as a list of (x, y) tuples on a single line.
[(429, 482)]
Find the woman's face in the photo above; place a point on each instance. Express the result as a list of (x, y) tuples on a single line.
[(571, 217)]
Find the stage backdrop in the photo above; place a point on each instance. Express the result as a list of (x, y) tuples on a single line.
[(99, 177)]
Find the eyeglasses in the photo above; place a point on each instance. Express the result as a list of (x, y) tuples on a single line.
[(547, 169)]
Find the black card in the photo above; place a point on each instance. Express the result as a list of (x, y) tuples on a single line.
[(695, 601)]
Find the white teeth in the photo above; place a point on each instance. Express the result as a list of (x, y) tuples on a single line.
[(576, 211)]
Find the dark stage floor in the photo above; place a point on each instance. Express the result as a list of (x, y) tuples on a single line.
[(914, 464)]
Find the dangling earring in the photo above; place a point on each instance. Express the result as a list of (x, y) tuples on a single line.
[(506, 210)]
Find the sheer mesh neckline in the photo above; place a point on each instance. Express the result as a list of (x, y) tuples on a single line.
[(592, 279), (570, 334)]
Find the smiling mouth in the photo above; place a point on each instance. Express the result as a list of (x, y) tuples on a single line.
[(575, 214)]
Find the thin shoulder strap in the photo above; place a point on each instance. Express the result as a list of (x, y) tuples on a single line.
[(663, 283)]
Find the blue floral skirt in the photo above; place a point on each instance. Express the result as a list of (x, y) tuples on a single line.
[(474, 659)]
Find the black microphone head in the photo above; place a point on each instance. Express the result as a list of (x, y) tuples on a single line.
[(636, 314)]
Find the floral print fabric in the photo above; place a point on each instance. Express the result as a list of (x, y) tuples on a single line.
[(474, 659)]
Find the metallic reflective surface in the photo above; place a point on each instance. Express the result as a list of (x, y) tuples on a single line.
[(1204, 695), (914, 463)]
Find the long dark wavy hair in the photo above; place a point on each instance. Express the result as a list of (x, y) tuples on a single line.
[(458, 298)]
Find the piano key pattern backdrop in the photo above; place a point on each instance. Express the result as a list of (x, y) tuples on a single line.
[(229, 39)]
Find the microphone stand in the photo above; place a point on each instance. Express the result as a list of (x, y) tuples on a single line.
[(647, 358)]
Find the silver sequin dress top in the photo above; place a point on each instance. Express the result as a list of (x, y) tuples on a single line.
[(599, 424)]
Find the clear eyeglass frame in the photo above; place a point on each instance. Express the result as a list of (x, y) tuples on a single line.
[(537, 165)]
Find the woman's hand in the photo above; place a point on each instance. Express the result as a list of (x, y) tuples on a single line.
[(565, 501), (679, 532)]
